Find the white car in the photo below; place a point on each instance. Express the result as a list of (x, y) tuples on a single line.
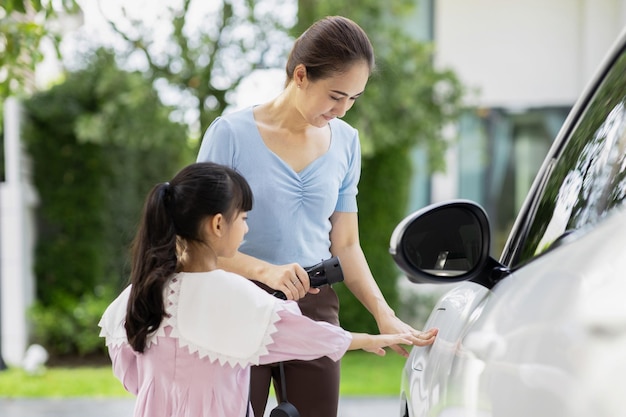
[(541, 332)]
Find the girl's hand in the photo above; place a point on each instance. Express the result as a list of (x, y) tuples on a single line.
[(378, 342), (393, 325)]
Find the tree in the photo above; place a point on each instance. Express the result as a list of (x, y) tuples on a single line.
[(23, 25), (205, 63), (406, 104)]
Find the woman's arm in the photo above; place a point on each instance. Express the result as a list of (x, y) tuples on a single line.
[(358, 277)]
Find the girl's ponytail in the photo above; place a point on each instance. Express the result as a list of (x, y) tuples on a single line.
[(153, 262)]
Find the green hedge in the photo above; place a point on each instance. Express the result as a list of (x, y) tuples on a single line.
[(98, 141)]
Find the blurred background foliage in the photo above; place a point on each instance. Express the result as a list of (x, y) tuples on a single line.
[(101, 137), (205, 63), (98, 141), (24, 24), (23, 27)]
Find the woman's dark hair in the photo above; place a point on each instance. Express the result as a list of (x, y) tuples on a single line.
[(175, 209), (330, 46)]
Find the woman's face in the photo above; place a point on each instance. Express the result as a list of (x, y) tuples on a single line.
[(322, 100)]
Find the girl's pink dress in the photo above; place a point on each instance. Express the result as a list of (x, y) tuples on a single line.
[(197, 364)]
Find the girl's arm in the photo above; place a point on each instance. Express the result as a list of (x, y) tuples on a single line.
[(299, 337), (124, 361)]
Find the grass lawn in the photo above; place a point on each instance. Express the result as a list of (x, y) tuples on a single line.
[(362, 374)]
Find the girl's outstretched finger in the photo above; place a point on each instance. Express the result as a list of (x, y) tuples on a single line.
[(425, 338)]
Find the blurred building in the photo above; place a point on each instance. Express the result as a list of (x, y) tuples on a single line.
[(525, 63)]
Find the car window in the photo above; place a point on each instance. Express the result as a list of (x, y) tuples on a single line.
[(588, 177)]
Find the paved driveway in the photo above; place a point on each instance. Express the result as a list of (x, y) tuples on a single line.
[(94, 407)]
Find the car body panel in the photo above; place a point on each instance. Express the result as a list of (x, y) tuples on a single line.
[(544, 327)]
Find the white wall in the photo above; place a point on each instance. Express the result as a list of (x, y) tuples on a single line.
[(526, 53)]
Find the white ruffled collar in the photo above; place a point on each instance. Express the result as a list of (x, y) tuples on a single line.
[(217, 314)]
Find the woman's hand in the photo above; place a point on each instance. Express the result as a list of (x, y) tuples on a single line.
[(291, 279)]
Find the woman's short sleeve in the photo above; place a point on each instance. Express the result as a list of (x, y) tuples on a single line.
[(346, 201), (217, 144)]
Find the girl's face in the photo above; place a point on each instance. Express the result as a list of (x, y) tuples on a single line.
[(234, 233), (321, 101)]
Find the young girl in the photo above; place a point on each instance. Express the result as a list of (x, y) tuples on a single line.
[(183, 335)]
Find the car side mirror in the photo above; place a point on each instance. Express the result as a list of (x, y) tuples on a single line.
[(445, 242)]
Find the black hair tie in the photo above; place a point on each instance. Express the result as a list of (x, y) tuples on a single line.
[(166, 192)]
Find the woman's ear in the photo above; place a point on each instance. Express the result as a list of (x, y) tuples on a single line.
[(299, 75)]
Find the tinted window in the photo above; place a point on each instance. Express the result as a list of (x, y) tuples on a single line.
[(588, 178)]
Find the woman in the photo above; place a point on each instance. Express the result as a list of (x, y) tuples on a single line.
[(303, 164)]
